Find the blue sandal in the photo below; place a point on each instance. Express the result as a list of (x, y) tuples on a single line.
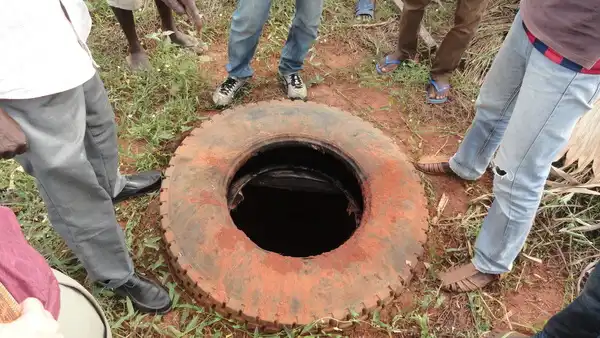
[(387, 62), (439, 91), (365, 7)]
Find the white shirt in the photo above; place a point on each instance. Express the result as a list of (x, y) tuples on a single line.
[(41, 52)]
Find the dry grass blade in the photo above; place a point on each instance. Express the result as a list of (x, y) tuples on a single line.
[(440, 208), (586, 227), (490, 35), (565, 176), (371, 25), (531, 258), (443, 203), (585, 272), (568, 181), (584, 146), (574, 190), (559, 187)]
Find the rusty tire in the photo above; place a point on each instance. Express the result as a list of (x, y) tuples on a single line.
[(225, 270)]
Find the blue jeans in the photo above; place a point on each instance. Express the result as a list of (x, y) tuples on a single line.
[(246, 27), (581, 319), (526, 111)]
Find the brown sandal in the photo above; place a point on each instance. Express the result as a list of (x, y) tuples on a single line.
[(465, 278), (435, 167)]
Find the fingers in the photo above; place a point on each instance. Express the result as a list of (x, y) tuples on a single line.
[(188, 7), (188, 3), (196, 18), (13, 151), (33, 322), (48, 315), (176, 6), (31, 305), (21, 149), (193, 13), (34, 313)]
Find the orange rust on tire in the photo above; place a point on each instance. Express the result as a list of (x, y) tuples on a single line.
[(222, 268)]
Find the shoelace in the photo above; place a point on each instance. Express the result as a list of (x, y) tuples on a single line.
[(228, 86), (296, 81)]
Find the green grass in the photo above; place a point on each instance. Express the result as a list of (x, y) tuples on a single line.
[(155, 108)]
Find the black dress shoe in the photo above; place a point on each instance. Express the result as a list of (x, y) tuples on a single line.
[(146, 296), (139, 184)]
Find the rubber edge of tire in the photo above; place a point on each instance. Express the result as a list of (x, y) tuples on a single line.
[(190, 278)]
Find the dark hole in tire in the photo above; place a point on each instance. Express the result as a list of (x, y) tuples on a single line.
[(296, 198)]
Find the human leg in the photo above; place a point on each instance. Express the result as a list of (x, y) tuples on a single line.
[(123, 10), (301, 37), (529, 120), (549, 103), (494, 108), (494, 105), (410, 21), (101, 137), (102, 149), (467, 17), (246, 26), (79, 208)]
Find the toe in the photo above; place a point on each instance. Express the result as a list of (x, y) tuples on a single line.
[(138, 62)]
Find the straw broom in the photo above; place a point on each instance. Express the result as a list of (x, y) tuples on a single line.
[(10, 310)]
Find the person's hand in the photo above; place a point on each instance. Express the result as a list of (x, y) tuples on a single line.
[(188, 7), (35, 322), (12, 139)]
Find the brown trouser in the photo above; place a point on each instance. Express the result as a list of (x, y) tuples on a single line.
[(466, 20)]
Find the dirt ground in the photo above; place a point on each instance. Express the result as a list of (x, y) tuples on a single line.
[(155, 111)]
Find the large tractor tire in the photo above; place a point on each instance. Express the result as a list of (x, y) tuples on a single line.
[(222, 267)]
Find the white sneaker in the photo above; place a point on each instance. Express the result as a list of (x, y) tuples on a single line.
[(296, 89), (224, 94)]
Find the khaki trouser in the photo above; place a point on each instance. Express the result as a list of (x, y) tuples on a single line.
[(466, 20), (80, 315)]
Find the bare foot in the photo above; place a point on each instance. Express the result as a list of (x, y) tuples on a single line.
[(389, 63), (138, 61), (442, 94), (187, 41)]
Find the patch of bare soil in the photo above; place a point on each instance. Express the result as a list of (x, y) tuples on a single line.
[(129, 147), (539, 296), (338, 56)]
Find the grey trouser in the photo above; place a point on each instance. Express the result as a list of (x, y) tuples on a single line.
[(73, 155)]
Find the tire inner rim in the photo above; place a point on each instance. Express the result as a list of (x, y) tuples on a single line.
[(297, 198)]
